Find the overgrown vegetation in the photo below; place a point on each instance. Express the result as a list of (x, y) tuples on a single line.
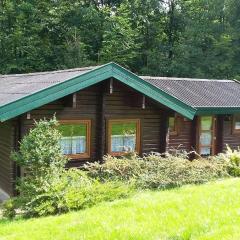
[(48, 188), (159, 172), (232, 157)]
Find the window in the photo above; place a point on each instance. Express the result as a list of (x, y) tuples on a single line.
[(123, 136), (75, 141), (236, 123), (172, 125), (206, 135)]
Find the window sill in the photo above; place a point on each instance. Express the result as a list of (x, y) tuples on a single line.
[(173, 133), (77, 156), (119, 154), (236, 132)]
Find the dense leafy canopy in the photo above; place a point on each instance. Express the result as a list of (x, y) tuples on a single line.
[(190, 38)]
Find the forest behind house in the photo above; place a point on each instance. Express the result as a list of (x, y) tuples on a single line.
[(182, 38)]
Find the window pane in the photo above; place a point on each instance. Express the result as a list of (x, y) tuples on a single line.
[(205, 150), (73, 129), (66, 145), (206, 123), (74, 140), (206, 138), (237, 122), (171, 124), (123, 137)]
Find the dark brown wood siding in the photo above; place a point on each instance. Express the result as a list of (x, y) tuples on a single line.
[(230, 138), (96, 103), (87, 106), (183, 140), (6, 164), (124, 103)]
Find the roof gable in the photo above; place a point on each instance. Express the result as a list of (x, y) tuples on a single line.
[(71, 84)]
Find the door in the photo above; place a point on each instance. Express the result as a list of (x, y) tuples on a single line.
[(206, 135)]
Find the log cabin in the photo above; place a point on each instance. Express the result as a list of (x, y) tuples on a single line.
[(110, 110)]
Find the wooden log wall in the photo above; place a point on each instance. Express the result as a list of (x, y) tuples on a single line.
[(184, 138), (7, 177), (98, 104), (230, 138)]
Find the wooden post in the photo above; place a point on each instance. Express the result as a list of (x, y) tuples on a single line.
[(167, 134), (102, 125), (28, 116), (164, 133), (16, 171), (111, 86), (194, 136), (219, 134), (74, 100), (143, 102)]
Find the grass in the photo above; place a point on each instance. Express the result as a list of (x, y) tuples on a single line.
[(210, 211)]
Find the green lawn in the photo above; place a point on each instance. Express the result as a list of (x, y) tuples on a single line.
[(210, 211)]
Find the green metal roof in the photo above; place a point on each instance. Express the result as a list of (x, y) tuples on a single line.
[(22, 93)]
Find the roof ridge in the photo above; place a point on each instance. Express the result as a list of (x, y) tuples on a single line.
[(48, 72), (185, 79)]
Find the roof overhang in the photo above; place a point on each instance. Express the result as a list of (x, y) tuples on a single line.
[(217, 110), (87, 79)]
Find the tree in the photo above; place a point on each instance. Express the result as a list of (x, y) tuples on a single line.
[(191, 38), (119, 38)]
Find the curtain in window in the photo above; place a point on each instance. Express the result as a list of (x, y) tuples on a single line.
[(205, 151), (66, 145), (73, 145), (206, 138), (123, 143)]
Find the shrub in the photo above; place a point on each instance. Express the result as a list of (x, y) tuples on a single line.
[(120, 169), (233, 158), (73, 190), (8, 209), (47, 188), (40, 151), (155, 171), (175, 171)]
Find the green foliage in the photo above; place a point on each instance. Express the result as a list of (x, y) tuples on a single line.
[(116, 169), (8, 209), (47, 187), (40, 151), (119, 38), (177, 171), (195, 38), (72, 190), (154, 171), (233, 158)]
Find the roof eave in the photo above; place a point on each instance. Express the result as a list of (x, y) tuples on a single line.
[(217, 110)]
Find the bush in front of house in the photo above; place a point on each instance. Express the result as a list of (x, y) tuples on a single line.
[(232, 157), (154, 171), (117, 169), (40, 151), (71, 190), (175, 171), (9, 209), (47, 187)]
